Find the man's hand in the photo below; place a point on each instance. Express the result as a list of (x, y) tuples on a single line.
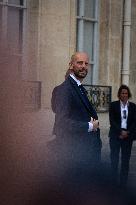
[(95, 124), (123, 135)]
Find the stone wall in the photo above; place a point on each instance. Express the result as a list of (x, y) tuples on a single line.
[(110, 44), (56, 43)]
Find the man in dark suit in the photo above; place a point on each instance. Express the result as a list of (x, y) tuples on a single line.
[(122, 116), (76, 122)]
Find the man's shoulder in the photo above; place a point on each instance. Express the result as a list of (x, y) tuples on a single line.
[(69, 82), (132, 104), (65, 87), (116, 102), (60, 86), (114, 105)]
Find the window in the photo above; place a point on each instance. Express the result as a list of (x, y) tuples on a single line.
[(12, 17), (15, 3), (87, 35)]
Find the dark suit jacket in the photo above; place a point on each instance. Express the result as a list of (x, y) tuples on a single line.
[(73, 142), (72, 111), (115, 119)]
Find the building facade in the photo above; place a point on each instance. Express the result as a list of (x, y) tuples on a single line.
[(40, 37)]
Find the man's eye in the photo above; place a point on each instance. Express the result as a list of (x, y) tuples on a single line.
[(80, 63)]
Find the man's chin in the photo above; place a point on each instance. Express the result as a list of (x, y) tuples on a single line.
[(81, 76)]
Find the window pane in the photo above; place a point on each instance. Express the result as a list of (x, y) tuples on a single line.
[(14, 25), (77, 7), (88, 78), (89, 7), (77, 32), (88, 38), (16, 2), (80, 8), (79, 39)]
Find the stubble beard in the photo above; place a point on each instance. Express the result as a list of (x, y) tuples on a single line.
[(80, 76)]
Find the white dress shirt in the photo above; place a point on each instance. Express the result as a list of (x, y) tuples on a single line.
[(124, 115)]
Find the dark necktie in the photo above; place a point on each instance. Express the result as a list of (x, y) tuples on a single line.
[(84, 94), (124, 114)]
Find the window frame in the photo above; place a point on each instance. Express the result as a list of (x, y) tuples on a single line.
[(22, 29), (80, 36), (6, 3)]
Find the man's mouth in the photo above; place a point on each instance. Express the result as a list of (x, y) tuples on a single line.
[(84, 72)]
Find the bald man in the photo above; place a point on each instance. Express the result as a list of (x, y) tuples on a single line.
[(76, 122)]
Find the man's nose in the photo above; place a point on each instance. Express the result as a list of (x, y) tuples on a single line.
[(84, 64)]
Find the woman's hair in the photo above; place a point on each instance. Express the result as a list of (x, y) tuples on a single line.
[(126, 88)]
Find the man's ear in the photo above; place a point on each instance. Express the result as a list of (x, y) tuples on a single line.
[(70, 66)]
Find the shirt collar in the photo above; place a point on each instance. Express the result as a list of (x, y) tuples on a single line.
[(122, 105), (75, 79)]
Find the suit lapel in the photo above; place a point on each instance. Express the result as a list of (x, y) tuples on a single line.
[(119, 109), (129, 111), (74, 84)]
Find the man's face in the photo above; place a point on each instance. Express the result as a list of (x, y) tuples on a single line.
[(124, 95), (79, 65)]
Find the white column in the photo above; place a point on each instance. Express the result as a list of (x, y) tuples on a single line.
[(126, 42)]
